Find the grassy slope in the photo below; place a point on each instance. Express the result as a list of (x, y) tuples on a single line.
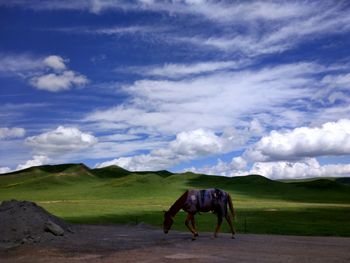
[(114, 195)]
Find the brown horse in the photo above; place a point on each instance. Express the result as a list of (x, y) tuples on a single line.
[(193, 201)]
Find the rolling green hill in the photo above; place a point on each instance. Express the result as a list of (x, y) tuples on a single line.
[(114, 195)]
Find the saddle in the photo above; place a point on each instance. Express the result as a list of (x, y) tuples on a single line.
[(212, 196)]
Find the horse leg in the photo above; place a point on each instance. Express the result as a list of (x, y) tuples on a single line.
[(193, 223), (218, 226), (229, 221), (187, 223)]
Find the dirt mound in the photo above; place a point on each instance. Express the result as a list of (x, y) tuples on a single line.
[(25, 222)]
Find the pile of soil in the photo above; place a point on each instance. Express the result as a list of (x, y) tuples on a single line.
[(25, 222)]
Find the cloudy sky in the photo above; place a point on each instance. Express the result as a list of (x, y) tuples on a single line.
[(217, 87)]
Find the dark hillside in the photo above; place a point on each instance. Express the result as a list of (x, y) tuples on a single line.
[(343, 180), (162, 173), (112, 171), (321, 184)]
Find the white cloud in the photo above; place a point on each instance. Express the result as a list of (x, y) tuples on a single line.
[(119, 137), (115, 30), (238, 163), (59, 82), (186, 146), (4, 170), (35, 70), (61, 79), (144, 162), (302, 169), (111, 149), (20, 64), (36, 161), (323, 115), (237, 166), (285, 37), (196, 143), (306, 168), (8, 133), (332, 138), (212, 102), (341, 80), (55, 62), (291, 154), (268, 30), (172, 70), (225, 12), (61, 141), (213, 10), (263, 26)]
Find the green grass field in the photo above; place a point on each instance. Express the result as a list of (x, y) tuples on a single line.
[(113, 195)]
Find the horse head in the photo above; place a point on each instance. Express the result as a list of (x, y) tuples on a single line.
[(168, 222)]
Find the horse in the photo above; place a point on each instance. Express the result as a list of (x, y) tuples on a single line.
[(195, 201)]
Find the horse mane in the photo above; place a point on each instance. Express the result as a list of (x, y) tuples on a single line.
[(178, 204)]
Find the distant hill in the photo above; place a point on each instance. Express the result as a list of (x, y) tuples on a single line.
[(47, 176), (343, 180), (110, 171), (58, 168), (115, 171), (321, 184)]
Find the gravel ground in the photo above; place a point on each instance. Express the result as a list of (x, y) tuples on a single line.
[(142, 243)]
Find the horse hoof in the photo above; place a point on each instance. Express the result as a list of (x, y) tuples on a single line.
[(233, 237), (193, 238)]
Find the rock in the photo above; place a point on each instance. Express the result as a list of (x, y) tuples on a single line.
[(54, 228)]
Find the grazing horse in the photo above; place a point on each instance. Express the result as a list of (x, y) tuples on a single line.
[(195, 201)]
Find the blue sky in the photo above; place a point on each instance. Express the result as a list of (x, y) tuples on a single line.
[(217, 87)]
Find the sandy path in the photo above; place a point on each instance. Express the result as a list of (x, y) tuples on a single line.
[(142, 243)]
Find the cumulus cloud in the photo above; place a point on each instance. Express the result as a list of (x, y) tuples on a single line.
[(186, 146), (55, 62), (4, 170), (60, 141), (332, 138), (306, 168), (36, 161), (49, 73), (61, 79), (144, 162), (196, 143), (236, 167), (9, 133), (291, 154), (309, 167), (59, 82)]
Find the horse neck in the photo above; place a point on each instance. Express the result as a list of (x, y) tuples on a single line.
[(175, 208)]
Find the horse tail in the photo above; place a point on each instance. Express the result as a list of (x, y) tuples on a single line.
[(230, 205)]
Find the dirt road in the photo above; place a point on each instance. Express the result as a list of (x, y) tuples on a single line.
[(111, 243)]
